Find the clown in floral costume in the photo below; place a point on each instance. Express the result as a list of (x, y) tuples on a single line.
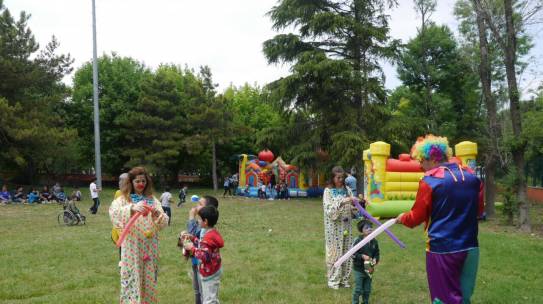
[(139, 251), (449, 201), (338, 214)]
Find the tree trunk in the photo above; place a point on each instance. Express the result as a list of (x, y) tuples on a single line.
[(490, 103), (519, 145), (30, 173), (490, 187), (214, 166), (360, 95)]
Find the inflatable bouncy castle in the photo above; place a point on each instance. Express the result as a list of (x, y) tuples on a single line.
[(391, 185), (262, 169)]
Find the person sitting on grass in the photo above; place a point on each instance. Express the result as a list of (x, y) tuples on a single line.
[(60, 196), (208, 254), (45, 195), (5, 196), (19, 196), (364, 261), (56, 191), (33, 196), (195, 230)]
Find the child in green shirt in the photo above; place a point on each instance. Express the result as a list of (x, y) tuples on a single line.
[(364, 261)]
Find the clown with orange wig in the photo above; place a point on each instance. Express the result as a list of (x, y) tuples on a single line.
[(449, 201)]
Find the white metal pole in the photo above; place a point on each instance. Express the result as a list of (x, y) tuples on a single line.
[(98, 165)]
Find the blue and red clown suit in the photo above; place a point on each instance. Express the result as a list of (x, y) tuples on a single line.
[(449, 201)]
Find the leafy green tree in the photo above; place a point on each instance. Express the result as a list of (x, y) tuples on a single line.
[(453, 107), (157, 124), (33, 134), (533, 134), (254, 116), (405, 123), (210, 122), (425, 8), (119, 86)]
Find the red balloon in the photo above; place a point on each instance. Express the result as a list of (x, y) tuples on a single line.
[(266, 155)]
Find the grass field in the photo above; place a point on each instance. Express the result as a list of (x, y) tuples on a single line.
[(274, 253)]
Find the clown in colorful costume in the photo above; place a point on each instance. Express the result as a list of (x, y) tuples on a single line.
[(449, 201), (338, 214), (338, 208), (139, 252)]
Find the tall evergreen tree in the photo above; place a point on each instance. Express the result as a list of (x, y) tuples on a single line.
[(336, 78), (157, 125), (32, 131)]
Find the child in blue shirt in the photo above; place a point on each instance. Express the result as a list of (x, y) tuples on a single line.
[(194, 230), (33, 196)]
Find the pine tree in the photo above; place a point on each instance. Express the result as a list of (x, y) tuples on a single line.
[(336, 77), (33, 135)]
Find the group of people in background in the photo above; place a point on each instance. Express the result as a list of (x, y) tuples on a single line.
[(276, 190), (230, 185), (45, 196), (265, 190)]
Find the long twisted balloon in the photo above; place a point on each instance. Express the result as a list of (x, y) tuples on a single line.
[(131, 222), (366, 240), (376, 222)]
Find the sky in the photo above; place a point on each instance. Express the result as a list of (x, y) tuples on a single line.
[(226, 35)]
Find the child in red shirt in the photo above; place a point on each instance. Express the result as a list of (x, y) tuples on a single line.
[(208, 254)]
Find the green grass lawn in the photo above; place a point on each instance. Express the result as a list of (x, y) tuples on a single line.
[(274, 253)]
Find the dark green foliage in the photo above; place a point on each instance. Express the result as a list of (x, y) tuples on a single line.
[(533, 135), (120, 85), (335, 90), (453, 108), (156, 125), (34, 135)]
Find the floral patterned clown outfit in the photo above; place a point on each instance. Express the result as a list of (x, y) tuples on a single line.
[(337, 234), (139, 252)]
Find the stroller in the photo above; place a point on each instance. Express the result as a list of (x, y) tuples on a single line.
[(70, 215)]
